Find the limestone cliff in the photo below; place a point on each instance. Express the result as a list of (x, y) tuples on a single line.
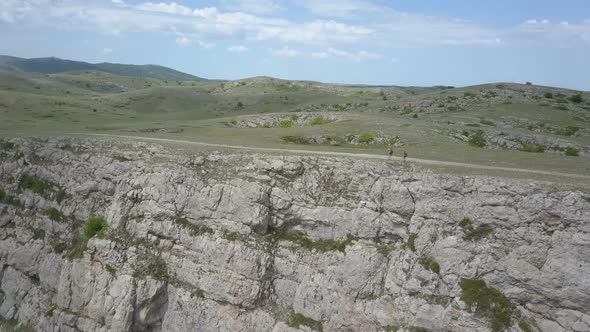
[(211, 241)]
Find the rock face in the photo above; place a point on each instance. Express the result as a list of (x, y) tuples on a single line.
[(213, 241)]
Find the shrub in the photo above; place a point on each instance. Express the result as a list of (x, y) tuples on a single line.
[(296, 139), (53, 214), (534, 148), (296, 320), (42, 187), (302, 240), (121, 159), (412, 242), (95, 226), (239, 105), (469, 94), (38, 234), (194, 230), (577, 98), (472, 234), (430, 264), (318, 120), (570, 151), (477, 139), (529, 83), (478, 233), (366, 138), (407, 110), (154, 266), (286, 124), (6, 145), (524, 326), (567, 131), (487, 302), (548, 95)]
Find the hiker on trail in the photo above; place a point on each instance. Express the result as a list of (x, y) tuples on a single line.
[(405, 155)]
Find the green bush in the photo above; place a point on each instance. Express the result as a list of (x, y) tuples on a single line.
[(194, 230), (477, 139), (430, 264), (577, 98), (567, 131), (407, 110), (42, 187), (569, 151), (412, 242), (53, 214), (487, 302), (286, 124), (296, 320), (6, 145), (366, 138), (302, 240), (318, 120), (469, 94), (121, 159), (95, 226), (296, 139), (471, 233), (533, 148), (548, 95), (478, 233)]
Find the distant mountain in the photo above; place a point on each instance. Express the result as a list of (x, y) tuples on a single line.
[(54, 65)]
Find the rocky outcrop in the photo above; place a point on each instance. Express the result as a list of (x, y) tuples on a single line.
[(213, 241)]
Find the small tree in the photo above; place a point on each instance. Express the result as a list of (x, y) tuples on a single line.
[(240, 105), (577, 98)]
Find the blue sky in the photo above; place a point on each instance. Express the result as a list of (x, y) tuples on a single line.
[(411, 42)]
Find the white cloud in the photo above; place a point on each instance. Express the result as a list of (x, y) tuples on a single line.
[(263, 7), (106, 51), (118, 2), (285, 52), (183, 41), (355, 56), (237, 49), (339, 8)]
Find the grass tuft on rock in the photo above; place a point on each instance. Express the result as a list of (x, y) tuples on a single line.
[(477, 139), (296, 320), (194, 230), (95, 225), (487, 302), (412, 242), (430, 264), (302, 240)]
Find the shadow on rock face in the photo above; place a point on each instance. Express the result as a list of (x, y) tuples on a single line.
[(148, 315)]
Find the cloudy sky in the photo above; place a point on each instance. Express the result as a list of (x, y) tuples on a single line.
[(405, 42)]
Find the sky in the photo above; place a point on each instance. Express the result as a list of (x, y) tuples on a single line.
[(406, 42)]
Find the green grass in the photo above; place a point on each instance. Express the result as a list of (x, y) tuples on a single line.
[(569, 151), (301, 239), (121, 159), (154, 266), (472, 233), (477, 139), (534, 148), (487, 302), (95, 226), (286, 124), (567, 131), (366, 138), (45, 188), (412, 241), (194, 230), (296, 320), (429, 264), (296, 140), (54, 214), (319, 120)]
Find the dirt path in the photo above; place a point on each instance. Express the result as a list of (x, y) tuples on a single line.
[(344, 154)]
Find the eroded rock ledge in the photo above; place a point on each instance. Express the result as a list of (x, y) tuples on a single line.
[(241, 242)]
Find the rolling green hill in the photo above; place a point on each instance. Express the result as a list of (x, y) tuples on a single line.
[(54, 65)]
